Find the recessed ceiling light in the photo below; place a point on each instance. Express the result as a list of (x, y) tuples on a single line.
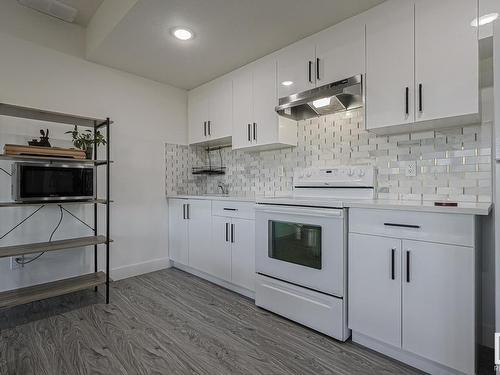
[(287, 83), (323, 102), (483, 20), (182, 33)]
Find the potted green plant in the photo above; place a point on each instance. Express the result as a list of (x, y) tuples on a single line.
[(85, 141)]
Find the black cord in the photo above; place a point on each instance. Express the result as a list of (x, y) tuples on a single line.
[(22, 221), (77, 218), (19, 261), (10, 174)]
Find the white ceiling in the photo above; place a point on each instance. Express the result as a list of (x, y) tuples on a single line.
[(229, 34), (86, 9)]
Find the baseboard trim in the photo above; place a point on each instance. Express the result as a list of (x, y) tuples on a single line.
[(141, 268), (237, 289), (403, 356)]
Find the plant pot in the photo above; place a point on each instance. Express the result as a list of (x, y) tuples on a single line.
[(89, 152)]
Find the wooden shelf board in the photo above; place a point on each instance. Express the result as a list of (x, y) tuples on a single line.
[(51, 159), (38, 292), (32, 248), (48, 203), (49, 116)]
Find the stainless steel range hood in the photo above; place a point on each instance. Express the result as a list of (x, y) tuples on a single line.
[(334, 97)]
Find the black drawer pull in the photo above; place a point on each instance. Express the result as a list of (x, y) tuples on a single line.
[(230, 209), (393, 264), (402, 225)]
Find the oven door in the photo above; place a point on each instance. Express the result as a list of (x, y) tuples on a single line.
[(302, 245)]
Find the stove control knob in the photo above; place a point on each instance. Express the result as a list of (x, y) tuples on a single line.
[(309, 174), (361, 172), (350, 172)]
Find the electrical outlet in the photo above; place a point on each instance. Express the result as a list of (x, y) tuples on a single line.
[(13, 264), (411, 169)]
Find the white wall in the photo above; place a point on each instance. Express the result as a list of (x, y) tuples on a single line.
[(146, 115)]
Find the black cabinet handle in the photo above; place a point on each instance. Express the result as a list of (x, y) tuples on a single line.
[(317, 68), (230, 209), (402, 225), (209, 131), (420, 98), (249, 132), (407, 101), (310, 71), (393, 264), (188, 214), (407, 266), (184, 211), (205, 128), (232, 233), (254, 131), (227, 232)]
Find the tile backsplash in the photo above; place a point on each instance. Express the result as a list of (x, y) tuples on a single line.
[(452, 163)]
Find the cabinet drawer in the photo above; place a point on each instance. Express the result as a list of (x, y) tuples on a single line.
[(242, 210), (425, 226)]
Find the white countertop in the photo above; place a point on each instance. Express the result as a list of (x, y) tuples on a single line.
[(462, 208), (215, 197), (382, 204)]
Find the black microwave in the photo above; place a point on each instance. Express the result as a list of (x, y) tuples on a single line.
[(53, 182)]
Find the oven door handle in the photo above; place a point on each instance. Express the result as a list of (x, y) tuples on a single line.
[(314, 212)]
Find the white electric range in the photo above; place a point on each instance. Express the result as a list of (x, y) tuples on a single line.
[(301, 247)]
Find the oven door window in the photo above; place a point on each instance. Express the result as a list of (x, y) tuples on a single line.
[(295, 243)]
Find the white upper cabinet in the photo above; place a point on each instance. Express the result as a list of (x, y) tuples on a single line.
[(421, 65), (221, 109), (340, 51), (210, 112), (447, 66), (389, 81), (242, 108), (256, 125), (198, 100), (296, 68)]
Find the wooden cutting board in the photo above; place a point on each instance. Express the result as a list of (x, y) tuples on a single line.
[(56, 152)]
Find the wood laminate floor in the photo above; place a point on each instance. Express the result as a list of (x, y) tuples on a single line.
[(170, 322)]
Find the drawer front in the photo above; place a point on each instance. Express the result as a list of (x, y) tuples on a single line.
[(318, 311), (242, 210), (424, 226)]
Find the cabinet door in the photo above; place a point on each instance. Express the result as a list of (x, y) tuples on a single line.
[(447, 66), (242, 109), (340, 52), (438, 303), (265, 100), (221, 109), (296, 67), (197, 114), (200, 233), (177, 231), (218, 262), (243, 253), (375, 287), (389, 83)]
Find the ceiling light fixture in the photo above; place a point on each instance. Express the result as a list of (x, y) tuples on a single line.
[(287, 83), (483, 20), (323, 102), (182, 33)]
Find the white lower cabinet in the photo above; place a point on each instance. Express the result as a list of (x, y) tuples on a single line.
[(216, 238), (236, 238), (243, 253), (178, 242), (375, 287), (438, 303), (413, 299)]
